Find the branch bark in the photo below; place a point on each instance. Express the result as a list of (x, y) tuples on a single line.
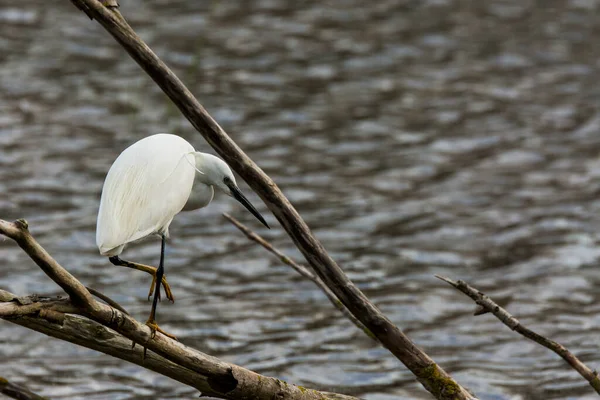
[(437, 381), (18, 231), (87, 333), (223, 380), (507, 319)]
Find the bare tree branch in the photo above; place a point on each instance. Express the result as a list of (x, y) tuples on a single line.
[(14, 309), (301, 269), (507, 319), (223, 380), (87, 333), (433, 377), (17, 392), (77, 292), (106, 299)]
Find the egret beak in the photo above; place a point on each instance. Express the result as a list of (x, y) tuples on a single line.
[(239, 196)]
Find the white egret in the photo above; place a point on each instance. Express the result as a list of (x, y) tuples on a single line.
[(148, 184)]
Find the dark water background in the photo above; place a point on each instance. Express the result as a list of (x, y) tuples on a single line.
[(416, 138)]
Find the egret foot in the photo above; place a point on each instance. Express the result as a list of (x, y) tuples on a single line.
[(165, 284), (148, 269), (155, 328)]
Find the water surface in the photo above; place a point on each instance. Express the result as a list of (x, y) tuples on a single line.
[(416, 138)]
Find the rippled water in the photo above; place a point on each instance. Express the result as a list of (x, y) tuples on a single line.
[(416, 138)]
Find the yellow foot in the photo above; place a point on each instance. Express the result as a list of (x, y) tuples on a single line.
[(148, 269), (155, 328), (165, 286)]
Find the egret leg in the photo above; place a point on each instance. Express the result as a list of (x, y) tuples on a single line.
[(159, 275), (146, 268)]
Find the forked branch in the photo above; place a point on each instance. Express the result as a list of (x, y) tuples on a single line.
[(109, 330)]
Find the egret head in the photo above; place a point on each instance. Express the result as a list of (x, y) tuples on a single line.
[(215, 172)]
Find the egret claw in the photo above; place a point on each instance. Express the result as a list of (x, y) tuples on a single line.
[(165, 285), (155, 328)]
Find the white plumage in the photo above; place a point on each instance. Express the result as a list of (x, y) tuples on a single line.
[(147, 185)]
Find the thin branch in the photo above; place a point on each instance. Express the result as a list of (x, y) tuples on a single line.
[(433, 377), (224, 380), (507, 319), (301, 269), (107, 300), (17, 391)]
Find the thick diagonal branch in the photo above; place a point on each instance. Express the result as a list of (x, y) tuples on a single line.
[(507, 319), (434, 378)]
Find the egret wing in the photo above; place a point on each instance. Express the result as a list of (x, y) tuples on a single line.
[(145, 188)]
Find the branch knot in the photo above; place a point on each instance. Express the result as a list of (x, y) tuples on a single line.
[(22, 224)]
